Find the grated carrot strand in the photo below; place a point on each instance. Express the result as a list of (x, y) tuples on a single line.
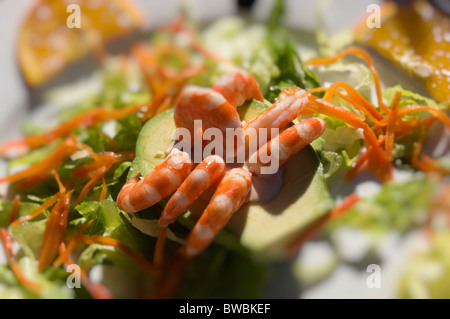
[(15, 209), (14, 265)]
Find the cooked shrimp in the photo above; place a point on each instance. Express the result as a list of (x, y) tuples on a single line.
[(229, 196), (281, 113), (275, 118), (207, 105), (287, 144), (214, 112), (237, 87), (206, 174), (138, 194)]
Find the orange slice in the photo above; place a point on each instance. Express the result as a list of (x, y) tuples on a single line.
[(417, 37), (46, 43)]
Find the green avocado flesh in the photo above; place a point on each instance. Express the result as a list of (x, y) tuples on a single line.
[(265, 231)]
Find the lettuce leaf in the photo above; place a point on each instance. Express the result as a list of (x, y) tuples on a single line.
[(52, 284), (29, 237), (428, 273), (404, 145), (339, 149), (127, 131), (25, 208), (245, 46), (109, 221), (292, 71), (353, 73), (399, 205), (411, 98), (123, 86)]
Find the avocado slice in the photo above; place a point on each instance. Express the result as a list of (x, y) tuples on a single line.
[(153, 144), (263, 230)]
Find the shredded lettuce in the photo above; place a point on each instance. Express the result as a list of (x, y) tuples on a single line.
[(427, 275), (109, 221), (25, 208), (33, 157), (29, 237), (340, 146), (127, 131), (245, 46), (411, 98), (52, 282), (399, 205), (404, 145), (123, 85), (353, 73)]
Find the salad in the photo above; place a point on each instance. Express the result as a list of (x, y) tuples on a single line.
[(105, 204)]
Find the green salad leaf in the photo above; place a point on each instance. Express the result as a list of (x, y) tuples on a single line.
[(245, 46), (428, 273), (292, 71), (399, 205), (412, 98)]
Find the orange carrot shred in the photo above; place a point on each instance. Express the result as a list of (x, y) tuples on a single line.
[(62, 188), (158, 258), (38, 211), (104, 191), (313, 231), (14, 265), (15, 209), (361, 161), (430, 165), (71, 246), (46, 166), (96, 290), (99, 174), (378, 163), (54, 232), (362, 54), (85, 120), (390, 130), (444, 118), (96, 170), (354, 98), (346, 204), (88, 149), (418, 147), (95, 239)]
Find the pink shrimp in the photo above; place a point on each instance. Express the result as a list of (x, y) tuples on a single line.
[(237, 87), (278, 115), (229, 196), (216, 107), (214, 111), (285, 145), (206, 174), (207, 105), (138, 194)]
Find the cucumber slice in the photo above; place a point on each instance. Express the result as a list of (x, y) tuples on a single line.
[(155, 139), (153, 144), (266, 230)]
